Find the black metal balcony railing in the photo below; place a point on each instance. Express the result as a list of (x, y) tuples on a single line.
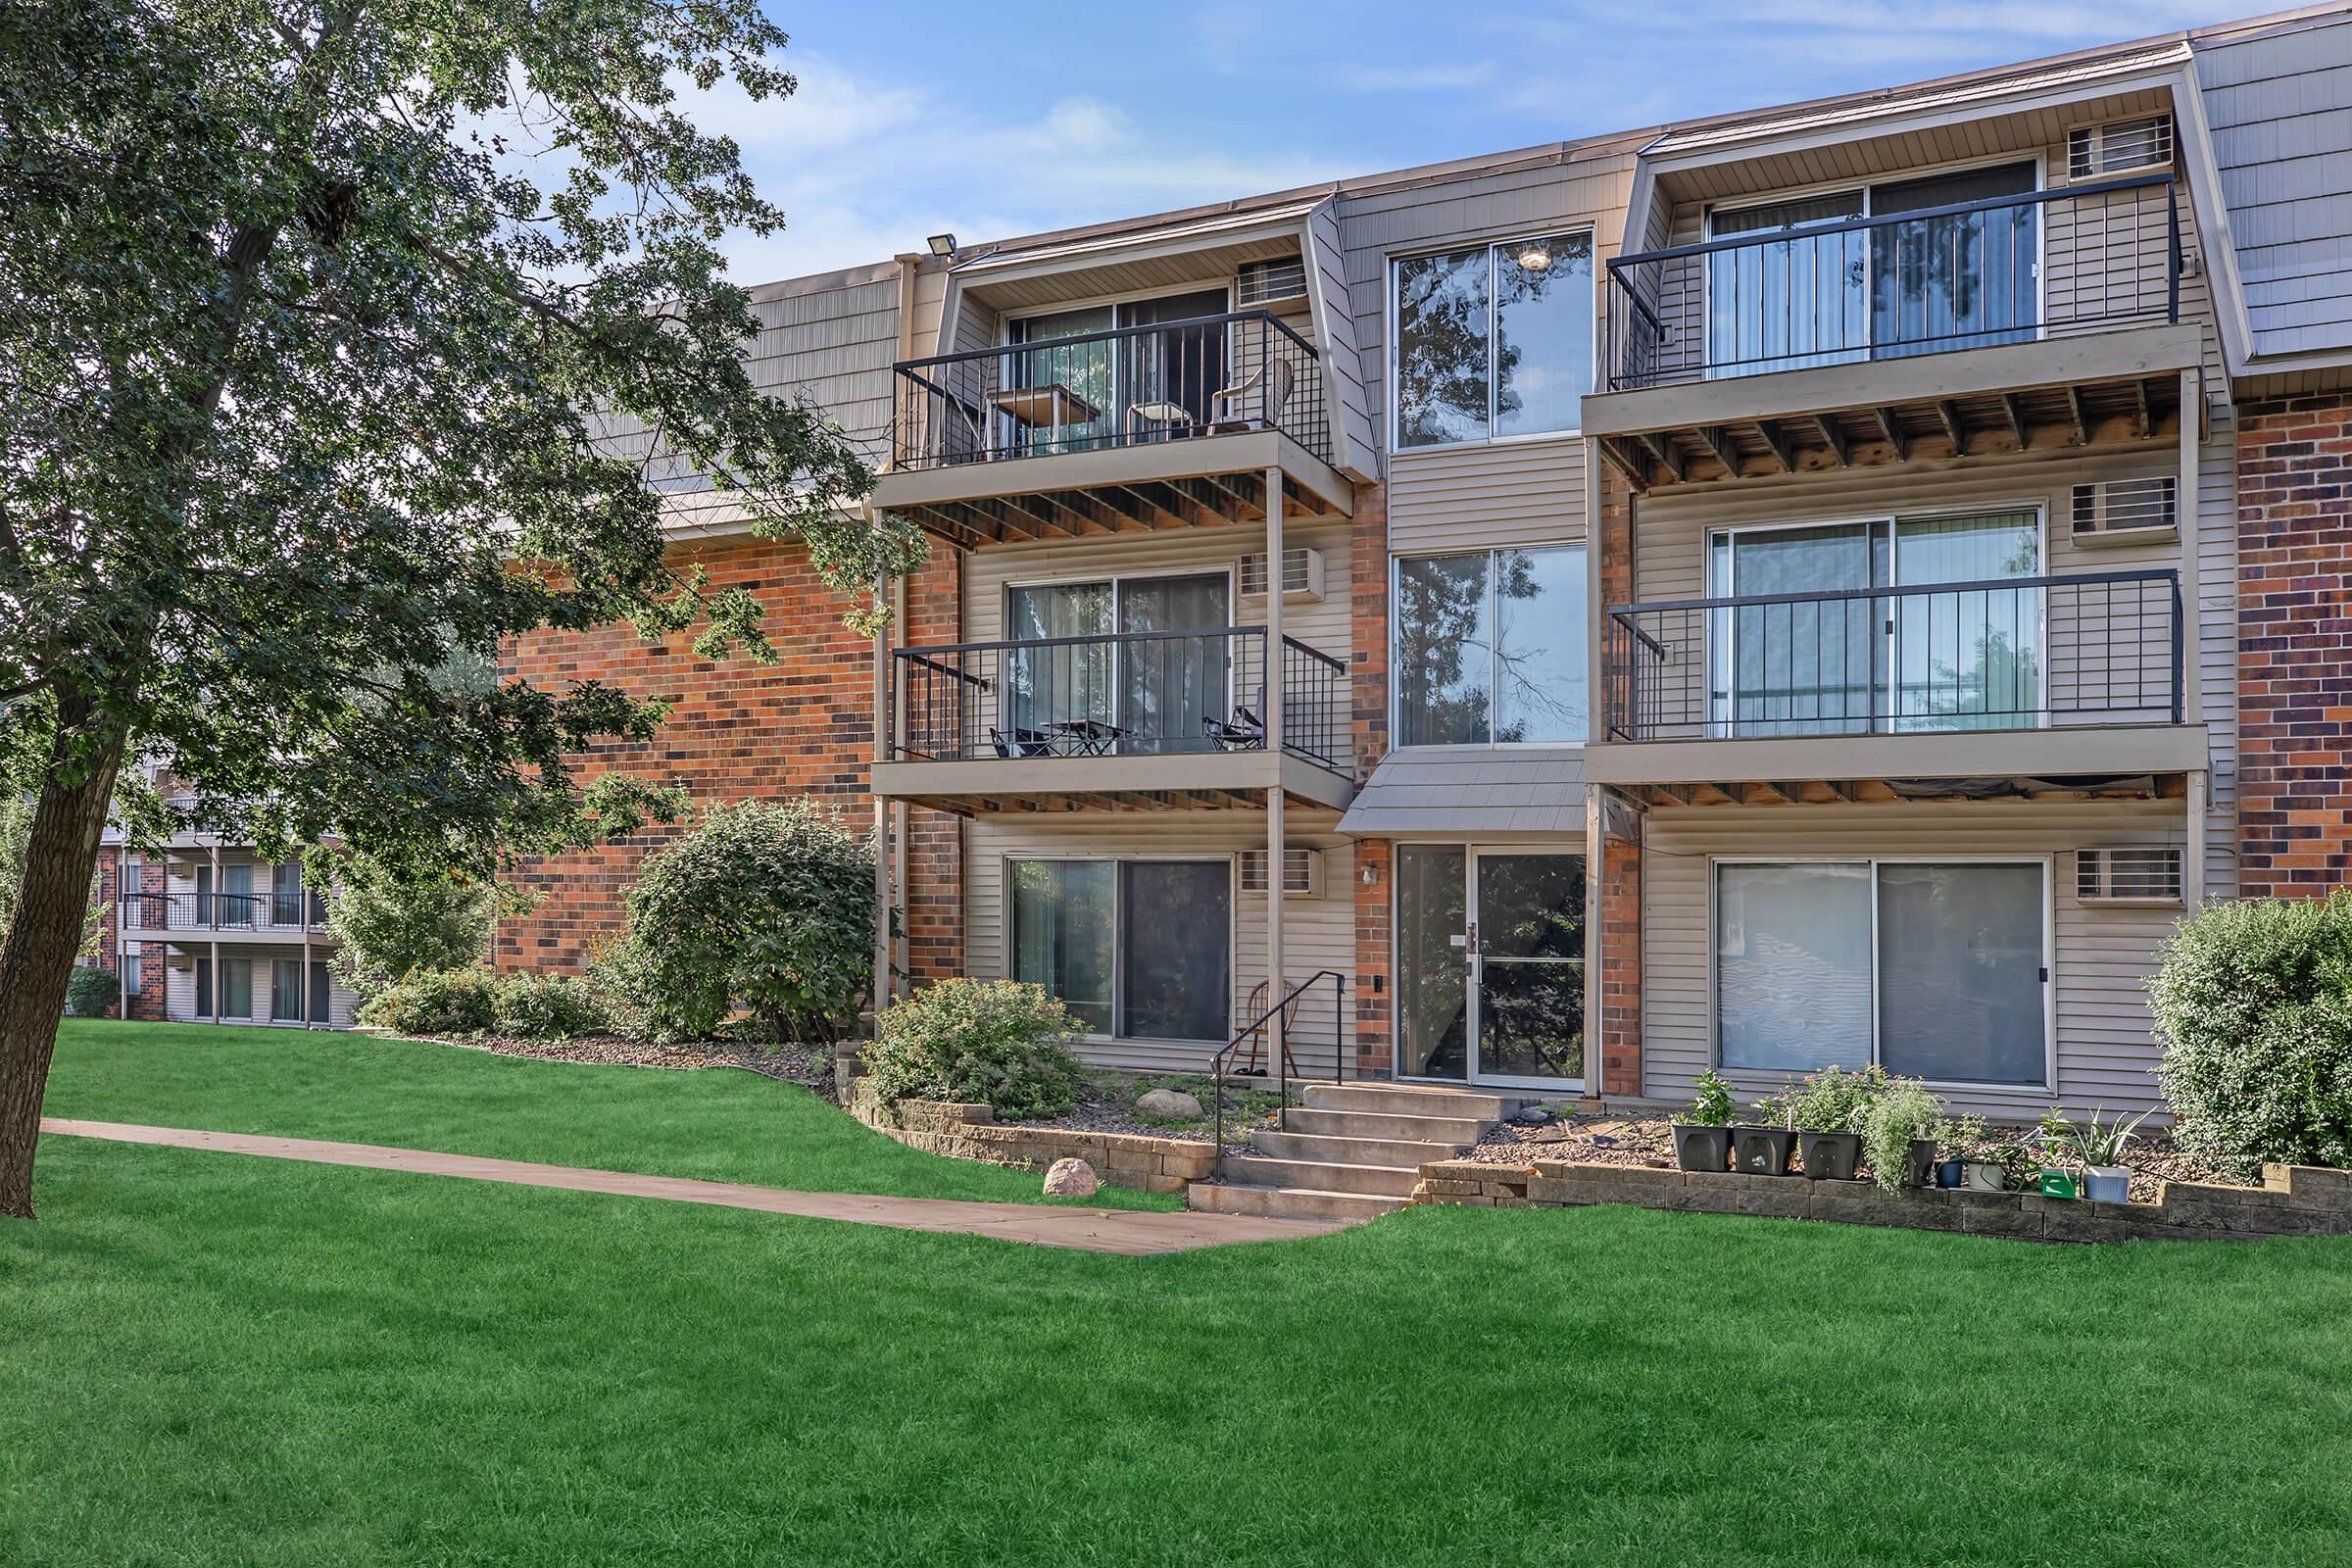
[(1130, 694), (223, 911), (1971, 274), (1171, 381), (2085, 649)]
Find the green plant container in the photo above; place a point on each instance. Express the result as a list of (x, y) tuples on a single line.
[(2057, 1184)]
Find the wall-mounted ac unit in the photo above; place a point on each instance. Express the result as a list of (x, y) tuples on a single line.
[(1302, 575), (2119, 147), (2137, 874), (1302, 871), (2122, 512), (1258, 284)]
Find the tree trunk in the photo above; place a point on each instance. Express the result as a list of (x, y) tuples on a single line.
[(43, 941)]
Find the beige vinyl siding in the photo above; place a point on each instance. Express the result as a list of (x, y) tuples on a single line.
[(2101, 956), (1356, 443), (1318, 933), (1487, 495)]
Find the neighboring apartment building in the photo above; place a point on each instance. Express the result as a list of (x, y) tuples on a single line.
[(1882, 556)]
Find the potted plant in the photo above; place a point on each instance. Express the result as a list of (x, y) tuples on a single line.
[(2100, 1148), (1898, 1131), (1826, 1108), (1758, 1148), (1957, 1138), (1703, 1139), (2054, 1178)]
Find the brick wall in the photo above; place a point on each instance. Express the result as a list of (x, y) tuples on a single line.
[(2294, 644), (149, 1002), (1618, 932), (741, 730), (1368, 691)]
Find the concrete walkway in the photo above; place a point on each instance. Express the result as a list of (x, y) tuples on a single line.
[(1132, 1232)]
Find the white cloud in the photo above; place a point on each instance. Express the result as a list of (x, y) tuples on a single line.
[(1417, 79)]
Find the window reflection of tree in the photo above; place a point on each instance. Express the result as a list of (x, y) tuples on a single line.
[(1441, 366)]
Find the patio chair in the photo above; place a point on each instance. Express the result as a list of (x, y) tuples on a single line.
[(1010, 743), (1253, 1064), (1245, 731), (1172, 419), (1279, 381)]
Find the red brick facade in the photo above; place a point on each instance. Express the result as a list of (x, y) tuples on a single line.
[(741, 730), (2294, 644), (1368, 693), (1617, 935), (149, 1002)]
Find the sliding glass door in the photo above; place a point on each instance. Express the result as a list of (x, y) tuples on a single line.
[(1093, 695), (1934, 969), (1491, 965), (1103, 389), (1135, 949)]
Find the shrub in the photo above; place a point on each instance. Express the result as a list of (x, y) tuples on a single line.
[(1905, 1110), (1712, 1106), (91, 992), (436, 1002), (1000, 1041), (388, 923), (767, 905), (2253, 1002), (545, 1006), (1831, 1101)]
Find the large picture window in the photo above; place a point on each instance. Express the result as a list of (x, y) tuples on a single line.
[(1933, 969), (1137, 948), (1493, 340), (1491, 647)]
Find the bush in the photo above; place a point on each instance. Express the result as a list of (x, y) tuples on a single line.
[(436, 1002), (1000, 1041), (545, 1007), (388, 923), (1831, 1099), (1905, 1109), (766, 905), (91, 992), (2253, 1002)]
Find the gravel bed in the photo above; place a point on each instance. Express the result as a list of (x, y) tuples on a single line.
[(1599, 1139), (1107, 1106), (811, 1067)]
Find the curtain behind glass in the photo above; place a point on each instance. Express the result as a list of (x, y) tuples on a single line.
[(1441, 360), (1793, 300), (1444, 650), (1968, 660), (1541, 632), (1793, 973), (236, 897), (1808, 667), (1061, 934), (1543, 335), (285, 989), (1047, 686), (1962, 282), (1167, 685), (1432, 981), (1087, 369), (1960, 955), (1176, 965)]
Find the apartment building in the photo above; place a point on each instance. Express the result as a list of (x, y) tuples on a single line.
[(1832, 583)]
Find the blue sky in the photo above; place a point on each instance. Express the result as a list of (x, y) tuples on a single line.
[(993, 119)]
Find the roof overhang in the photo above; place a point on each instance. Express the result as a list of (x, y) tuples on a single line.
[(2102, 760)]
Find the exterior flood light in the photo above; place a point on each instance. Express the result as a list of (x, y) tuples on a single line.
[(945, 245)]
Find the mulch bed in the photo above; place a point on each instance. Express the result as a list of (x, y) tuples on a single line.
[(1601, 1138), (812, 1068), (1107, 1106)]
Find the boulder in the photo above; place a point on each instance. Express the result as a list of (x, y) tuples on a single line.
[(1174, 1104), (1071, 1178)]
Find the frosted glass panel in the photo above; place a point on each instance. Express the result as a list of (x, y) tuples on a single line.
[(1960, 965), (1792, 966)]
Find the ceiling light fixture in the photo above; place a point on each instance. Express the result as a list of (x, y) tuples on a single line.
[(1535, 258)]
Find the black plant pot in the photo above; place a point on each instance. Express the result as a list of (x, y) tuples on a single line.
[(1951, 1173), (1701, 1147), (1919, 1163), (1758, 1150), (1831, 1157)]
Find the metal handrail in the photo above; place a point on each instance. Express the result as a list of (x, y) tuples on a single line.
[(1282, 1064), (930, 651), (907, 368), (1901, 590)]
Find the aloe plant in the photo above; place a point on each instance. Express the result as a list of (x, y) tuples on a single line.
[(2098, 1144)]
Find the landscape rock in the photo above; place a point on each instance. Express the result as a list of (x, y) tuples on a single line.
[(1071, 1178), (1170, 1102)]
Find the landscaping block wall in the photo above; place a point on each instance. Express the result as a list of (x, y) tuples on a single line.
[(743, 730), (2292, 1200), (972, 1132), (2294, 644)]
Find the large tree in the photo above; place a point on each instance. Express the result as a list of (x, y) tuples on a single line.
[(343, 336)]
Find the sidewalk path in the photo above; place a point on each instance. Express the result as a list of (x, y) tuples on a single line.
[(1134, 1232)]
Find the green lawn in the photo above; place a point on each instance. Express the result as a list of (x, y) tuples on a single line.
[(721, 1124), (215, 1360)]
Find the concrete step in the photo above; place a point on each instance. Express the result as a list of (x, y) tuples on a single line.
[(1413, 1099), (1288, 1203), (1258, 1170), (1452, 1131), (1350, 1150)]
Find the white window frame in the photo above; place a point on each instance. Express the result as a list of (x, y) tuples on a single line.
[(1119, 860), (1396, 700), (2049, 963), (1397, 259)]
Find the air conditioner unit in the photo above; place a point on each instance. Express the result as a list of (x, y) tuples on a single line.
[(1302, 575), (1302, 871), (2120, 146), (2123, 511), (1257, 284), (2137, 874)]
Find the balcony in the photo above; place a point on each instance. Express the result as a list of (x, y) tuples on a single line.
[(238, 916), (1170, 424), (1127, 721), (2078, 676), (2048, 319)]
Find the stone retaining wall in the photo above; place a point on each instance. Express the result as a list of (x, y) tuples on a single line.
[(972, 1132), (2294, 1201)]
